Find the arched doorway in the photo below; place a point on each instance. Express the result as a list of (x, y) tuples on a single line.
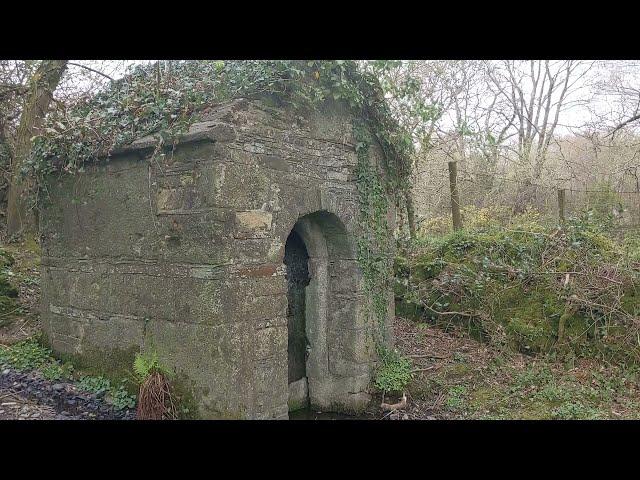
[(296, 260), (329, 345)]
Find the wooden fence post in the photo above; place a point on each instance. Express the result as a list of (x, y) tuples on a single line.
[(455, 196), (561, 205)]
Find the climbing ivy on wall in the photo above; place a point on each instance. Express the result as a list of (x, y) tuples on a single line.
[(155, 99), (375, 249)]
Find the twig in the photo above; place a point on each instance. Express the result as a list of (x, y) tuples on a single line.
[(416, 370), (91, 70), (462, 314), (395, 406), (427, 356)]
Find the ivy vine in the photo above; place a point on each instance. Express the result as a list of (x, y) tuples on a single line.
[(375, 242), (166, 99)]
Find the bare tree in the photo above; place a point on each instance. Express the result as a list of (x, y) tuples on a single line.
[(619, 87), (538, 92)]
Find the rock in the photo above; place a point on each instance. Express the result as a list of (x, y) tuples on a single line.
[(60, 395), (6, 371)]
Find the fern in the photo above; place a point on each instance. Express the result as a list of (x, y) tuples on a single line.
[(147, 363)]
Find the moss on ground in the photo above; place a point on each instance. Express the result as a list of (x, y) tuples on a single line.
[(534, 288), (536, 390), (555, 308)]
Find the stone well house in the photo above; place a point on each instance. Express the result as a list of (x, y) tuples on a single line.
[(232, 255)]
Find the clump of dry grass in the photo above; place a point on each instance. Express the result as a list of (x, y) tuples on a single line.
[(155, 401)]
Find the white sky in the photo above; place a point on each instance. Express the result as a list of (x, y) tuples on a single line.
[(584, 103)]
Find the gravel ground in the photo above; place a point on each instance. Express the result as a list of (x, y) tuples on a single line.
[(28, 396)]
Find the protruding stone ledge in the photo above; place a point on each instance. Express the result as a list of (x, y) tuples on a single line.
[(209, 131)]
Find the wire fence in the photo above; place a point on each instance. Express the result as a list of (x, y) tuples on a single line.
[(433, 196)]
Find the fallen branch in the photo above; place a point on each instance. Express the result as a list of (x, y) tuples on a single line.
[(427, 356), (416, 370), (462, 314), (395, 406)]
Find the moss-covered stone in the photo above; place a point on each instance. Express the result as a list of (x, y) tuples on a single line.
[(526, 285)]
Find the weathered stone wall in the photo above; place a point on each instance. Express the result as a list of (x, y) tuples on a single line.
[(183, 253)]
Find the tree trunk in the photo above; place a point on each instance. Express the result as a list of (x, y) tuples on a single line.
[(20, 219), (411, 215)]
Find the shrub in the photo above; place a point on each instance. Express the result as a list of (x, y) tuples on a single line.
[(605, 205), (8, 293), (456, 397), (393, 373), (97, 385), (116, 395), (121, 399), (508, 284)]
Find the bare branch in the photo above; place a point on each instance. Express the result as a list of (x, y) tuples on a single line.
[(91, 70)]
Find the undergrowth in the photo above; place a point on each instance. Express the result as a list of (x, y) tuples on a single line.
[(31, 355), (8, 293), (527, 286), (393, 372)]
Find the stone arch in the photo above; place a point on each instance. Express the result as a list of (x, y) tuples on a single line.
[(338, 360)]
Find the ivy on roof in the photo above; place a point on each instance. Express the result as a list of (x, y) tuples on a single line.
[(145, 102)]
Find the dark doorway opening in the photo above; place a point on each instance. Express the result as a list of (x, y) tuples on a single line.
[(296, 260)]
